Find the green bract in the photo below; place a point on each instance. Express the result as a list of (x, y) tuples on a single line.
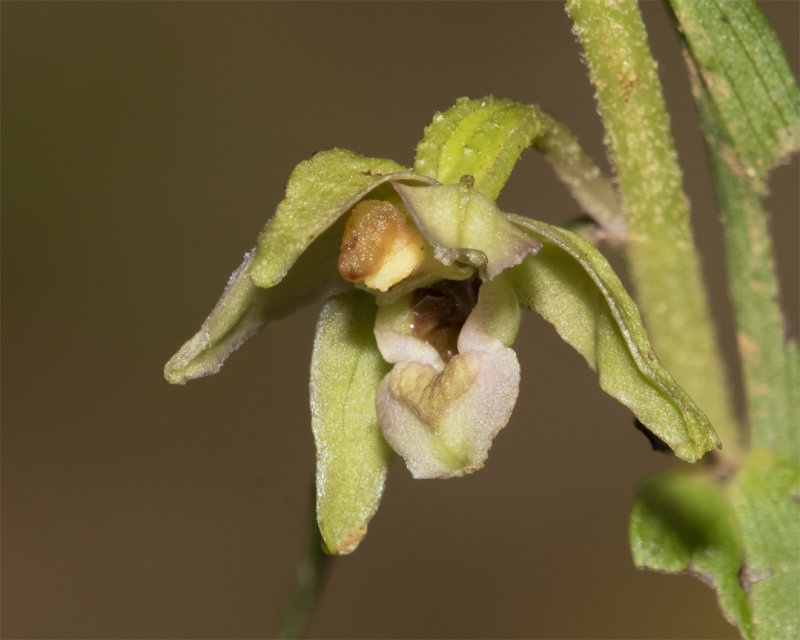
[(425, 278)]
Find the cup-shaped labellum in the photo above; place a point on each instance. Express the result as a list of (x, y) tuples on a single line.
[(441, 408)]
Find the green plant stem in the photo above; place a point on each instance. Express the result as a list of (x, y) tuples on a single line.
[(310, 578), (660, 248)]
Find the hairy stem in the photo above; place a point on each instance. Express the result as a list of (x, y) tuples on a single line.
[(660, 248)]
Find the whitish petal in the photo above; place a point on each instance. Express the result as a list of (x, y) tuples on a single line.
[(443, 423), (442, 414), (396, 339)]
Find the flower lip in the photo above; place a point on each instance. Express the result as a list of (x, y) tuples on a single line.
[(438, 313), (454, 382)]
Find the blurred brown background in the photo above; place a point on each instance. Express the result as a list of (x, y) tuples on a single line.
[(144, 144)]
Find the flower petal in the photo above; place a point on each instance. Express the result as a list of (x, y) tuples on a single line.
[(442, 417), (443, 423), (463, 225), (494, 319), (319, 191), (396, 339)]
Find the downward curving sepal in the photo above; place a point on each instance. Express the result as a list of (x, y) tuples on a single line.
[(244, 308), (352, 456), (482, 138), (572, 286), (295, 261)]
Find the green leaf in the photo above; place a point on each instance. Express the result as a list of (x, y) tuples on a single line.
[(745, 541), (244, 308), (769, 360), (352, 456), (683, 522), (572, 286), (463, 225), (485, 137), (319, 191), (752, 91), (765, 495), (750, 114)]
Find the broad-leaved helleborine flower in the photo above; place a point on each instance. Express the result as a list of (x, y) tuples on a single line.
[(424, 278)]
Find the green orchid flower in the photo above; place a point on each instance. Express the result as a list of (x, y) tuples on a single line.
[(424, 279)]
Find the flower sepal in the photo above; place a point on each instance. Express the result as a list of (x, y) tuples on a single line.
[(291, 265)]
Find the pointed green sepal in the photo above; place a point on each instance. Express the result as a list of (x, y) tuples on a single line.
[(244, 308), (319, 191), (572, 286), (352, 456), (295, 261), (482, 138)]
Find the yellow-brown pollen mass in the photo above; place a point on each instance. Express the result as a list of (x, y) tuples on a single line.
[(378, 246)]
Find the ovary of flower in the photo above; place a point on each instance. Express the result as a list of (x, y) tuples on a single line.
[(379, 248)]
